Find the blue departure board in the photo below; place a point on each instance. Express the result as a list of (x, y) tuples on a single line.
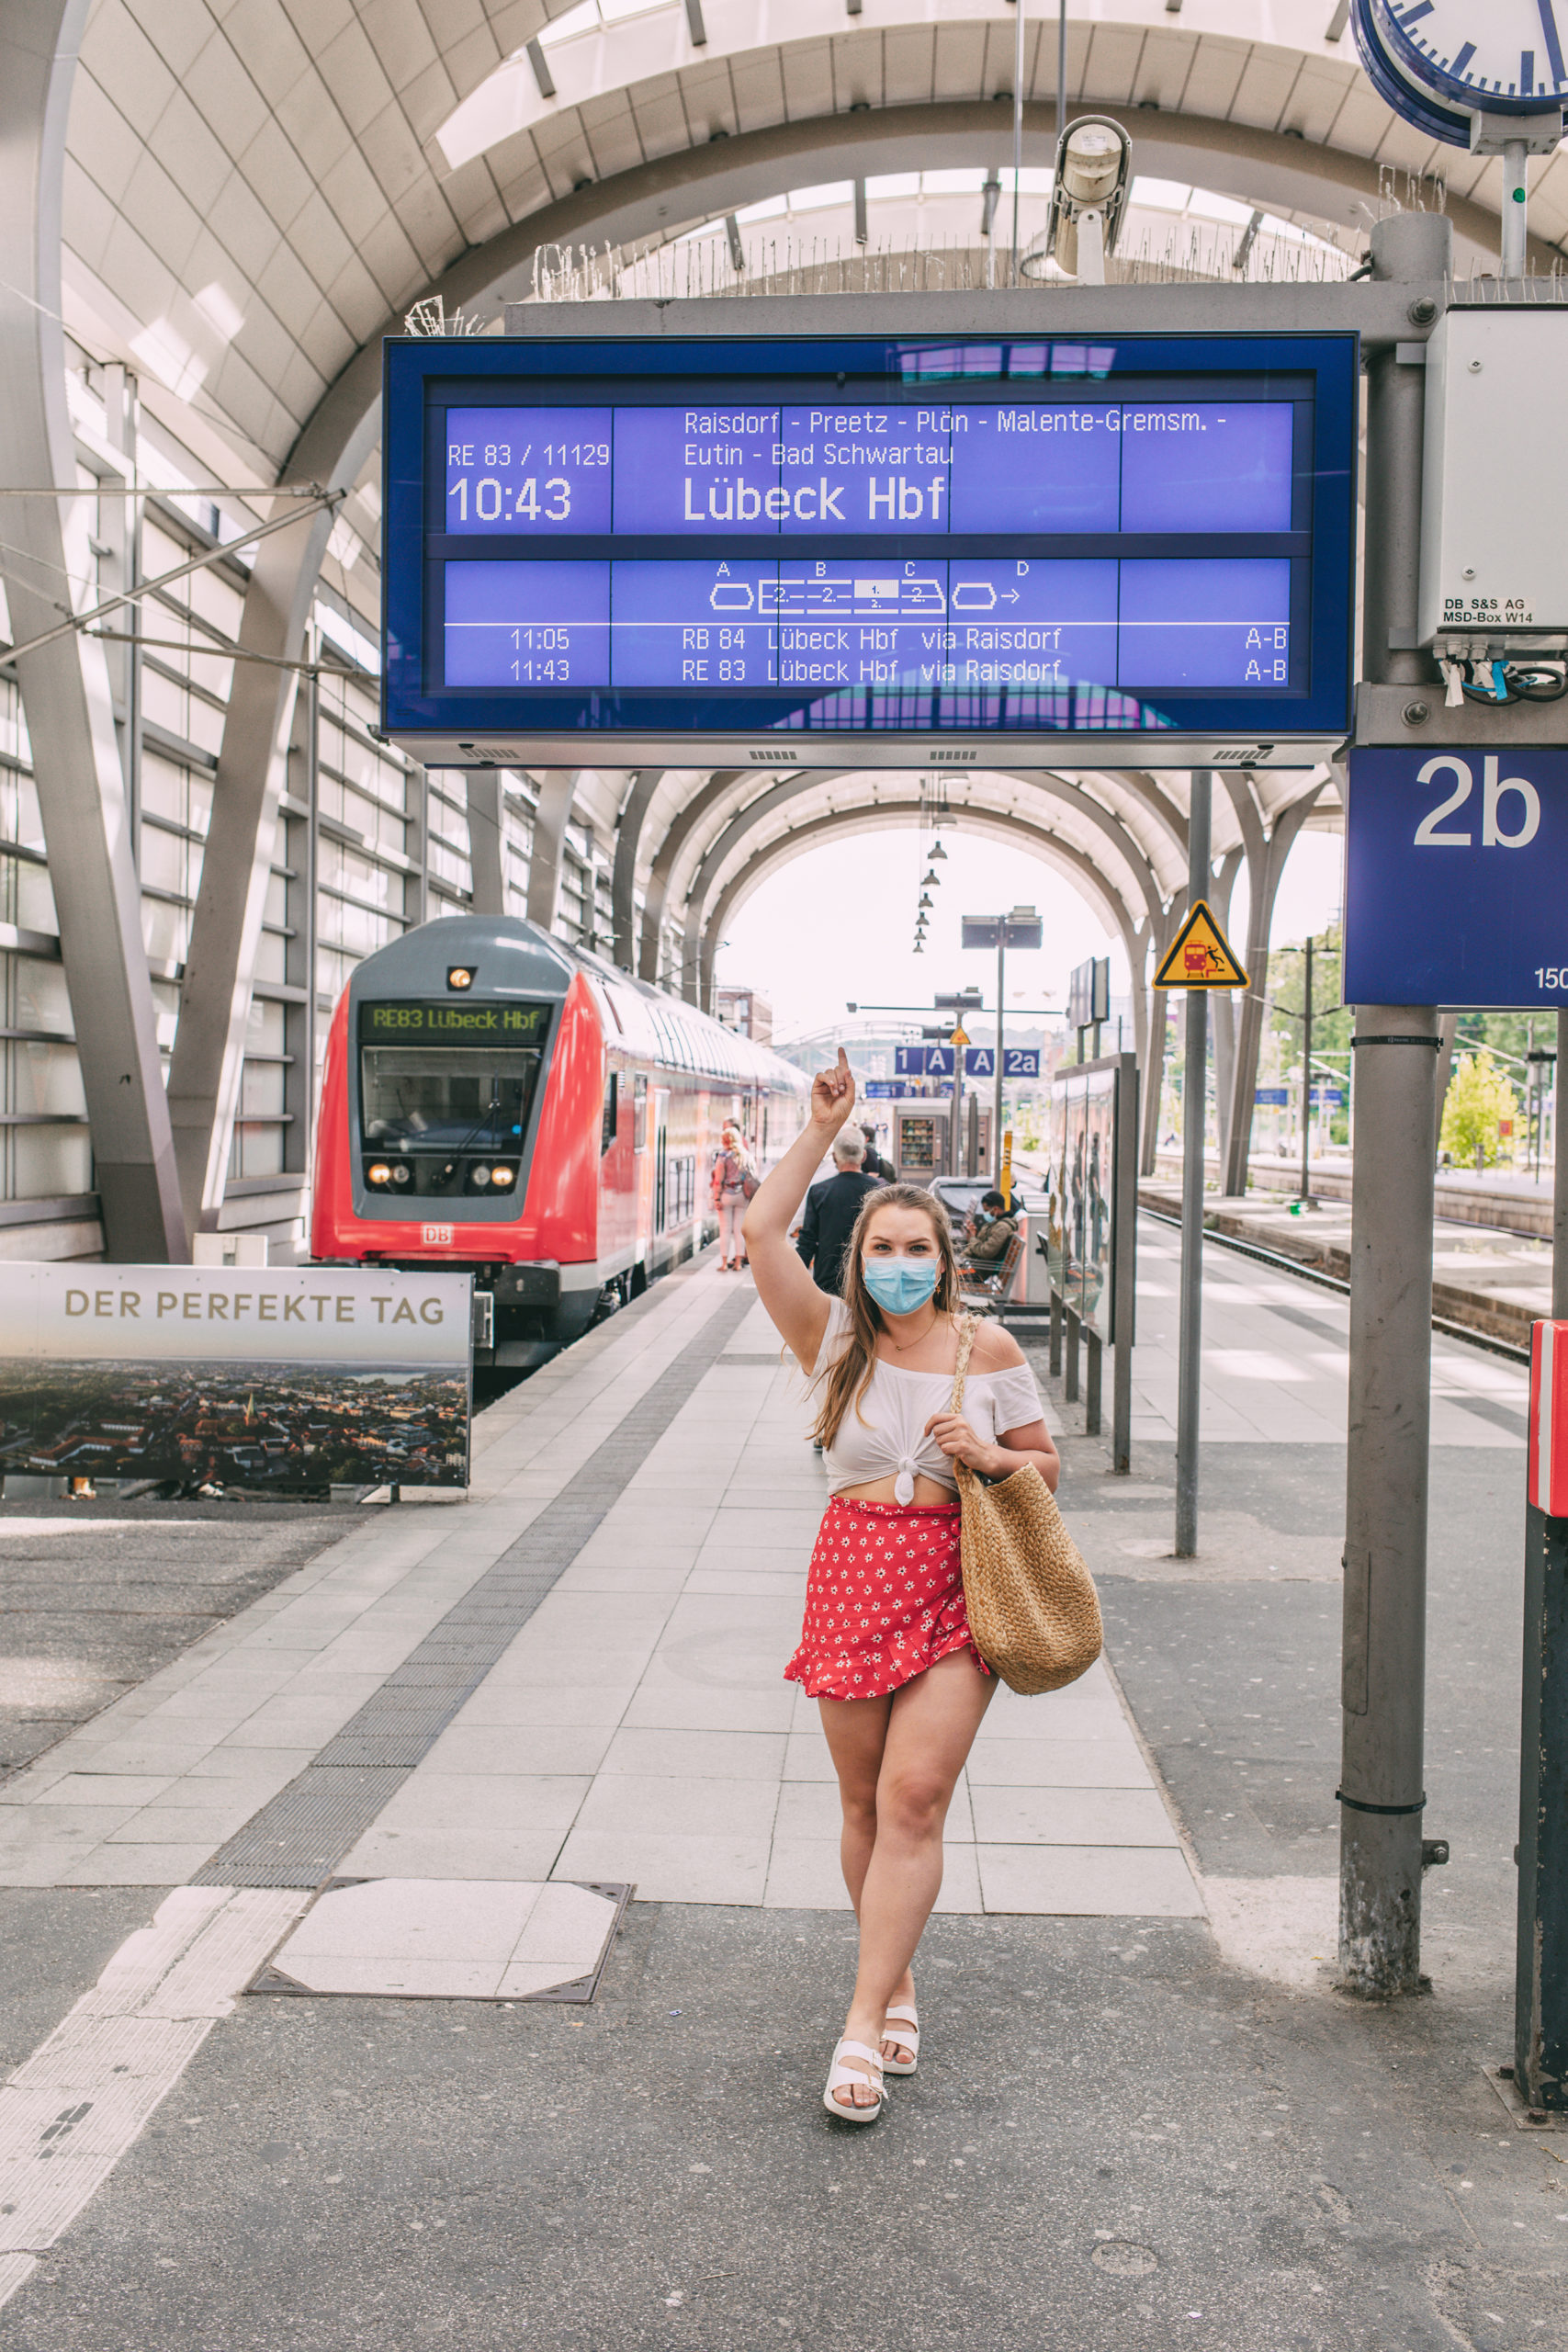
[(685, 544)]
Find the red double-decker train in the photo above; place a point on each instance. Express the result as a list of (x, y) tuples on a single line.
[(496, 1102)]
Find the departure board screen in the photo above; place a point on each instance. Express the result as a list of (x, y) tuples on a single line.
[(693, 543)]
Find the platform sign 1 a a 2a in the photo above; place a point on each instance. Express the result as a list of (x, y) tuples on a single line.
[(1456, 878)]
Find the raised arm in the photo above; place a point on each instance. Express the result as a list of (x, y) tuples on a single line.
[(799, 1310)]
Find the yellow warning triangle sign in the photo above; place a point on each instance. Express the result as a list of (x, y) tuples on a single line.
[(960, 1036), (1200, 956)]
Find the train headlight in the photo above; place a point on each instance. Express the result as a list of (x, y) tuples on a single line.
[(481, 1175), (502, 1175), (460, 977), (379, 1172), (401, 1172)]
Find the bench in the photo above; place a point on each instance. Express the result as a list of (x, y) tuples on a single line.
[(983, 1289)]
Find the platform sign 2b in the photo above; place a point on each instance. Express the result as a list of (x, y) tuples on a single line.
[(1456, 878)]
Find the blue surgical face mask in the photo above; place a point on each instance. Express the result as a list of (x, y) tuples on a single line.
[(900, 1286)]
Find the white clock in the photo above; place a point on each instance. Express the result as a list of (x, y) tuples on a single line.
[(1504, 56), (1440, 62)]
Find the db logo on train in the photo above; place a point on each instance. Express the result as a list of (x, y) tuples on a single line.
[(436, 1237)]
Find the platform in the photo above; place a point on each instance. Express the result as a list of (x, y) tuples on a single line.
[(634, 1729), (477, 1725)]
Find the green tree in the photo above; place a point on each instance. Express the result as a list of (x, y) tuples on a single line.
[(1480, 1095), (1505, 1033)]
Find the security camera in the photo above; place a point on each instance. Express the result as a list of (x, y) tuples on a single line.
[(1088, 198)]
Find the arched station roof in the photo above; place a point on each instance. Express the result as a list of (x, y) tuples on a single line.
[(254, 196), (697, 834)]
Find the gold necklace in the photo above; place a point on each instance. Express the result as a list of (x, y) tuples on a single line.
[(915, 1342)]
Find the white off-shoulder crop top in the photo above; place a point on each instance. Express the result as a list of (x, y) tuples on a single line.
[(886, 1439)]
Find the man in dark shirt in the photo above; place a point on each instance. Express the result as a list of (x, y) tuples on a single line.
[(832, 1208)]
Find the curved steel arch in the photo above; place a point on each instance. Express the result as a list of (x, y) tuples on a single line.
[(791, 787), (1075, 864), (681, 826), (736, 171)]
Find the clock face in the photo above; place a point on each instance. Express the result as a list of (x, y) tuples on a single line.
[(1504, 56)]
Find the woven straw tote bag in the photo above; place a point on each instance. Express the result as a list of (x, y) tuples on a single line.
[(1031, 1604)]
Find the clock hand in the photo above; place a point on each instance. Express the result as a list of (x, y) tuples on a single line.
[(1553, 41)]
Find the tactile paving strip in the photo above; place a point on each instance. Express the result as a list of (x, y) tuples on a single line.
[(300, 1838)]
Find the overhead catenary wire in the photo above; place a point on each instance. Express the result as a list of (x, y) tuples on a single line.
[(78, 621), (110, 488)]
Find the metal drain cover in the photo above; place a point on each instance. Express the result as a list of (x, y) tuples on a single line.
[(451, 1940)]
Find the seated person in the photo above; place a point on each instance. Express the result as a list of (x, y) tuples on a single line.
[(988, 1231)]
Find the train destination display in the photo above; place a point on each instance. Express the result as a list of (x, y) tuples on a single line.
[(1009, 543)]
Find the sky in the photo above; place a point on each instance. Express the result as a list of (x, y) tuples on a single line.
[(838, 924)]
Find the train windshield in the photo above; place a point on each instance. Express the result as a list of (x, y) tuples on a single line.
[(448, 1098), (446, 1091)]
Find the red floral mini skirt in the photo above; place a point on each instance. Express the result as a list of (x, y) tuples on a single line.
[(884, 1599)]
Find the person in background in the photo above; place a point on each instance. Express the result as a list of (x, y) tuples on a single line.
[(732, 1173), (832, 1208), (874, 1163), (987, 1234)]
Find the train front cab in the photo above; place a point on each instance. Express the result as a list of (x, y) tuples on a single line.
[(494, 1102), (461, 1108)]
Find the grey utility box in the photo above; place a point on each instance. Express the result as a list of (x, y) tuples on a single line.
[(1495, 491)]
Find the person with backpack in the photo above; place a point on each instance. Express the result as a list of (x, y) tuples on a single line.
[(874, 1164), (733, 1182)]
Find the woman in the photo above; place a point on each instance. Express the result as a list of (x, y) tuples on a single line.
[(731, 1169), (885, 1647)]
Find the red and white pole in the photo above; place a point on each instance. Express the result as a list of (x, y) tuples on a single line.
[(1540, 1984)]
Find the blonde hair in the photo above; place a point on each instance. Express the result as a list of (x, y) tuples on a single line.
[(845, 1380)]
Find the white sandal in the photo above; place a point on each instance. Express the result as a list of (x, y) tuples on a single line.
[(907, 2038), (840, 2077)]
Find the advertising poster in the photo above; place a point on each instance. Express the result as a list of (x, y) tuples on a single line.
[(261, 1377), (1083, 1105)]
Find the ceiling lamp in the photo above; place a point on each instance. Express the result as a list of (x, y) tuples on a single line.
[(929, 880), (926, 900), (936, 850), (918, 948)]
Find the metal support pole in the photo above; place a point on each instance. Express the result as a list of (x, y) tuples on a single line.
[(1001, 1054), (1380, 1790), (1061, 72), (1056, 1334), (309, 1046), (1017, 127), (955, 1152), (1515, 206), (1075, 1335), (1384, 1655), (1194, 1105), (1306, 1078), (1541, 1982), (1092, 1385), (1125, 1262)]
